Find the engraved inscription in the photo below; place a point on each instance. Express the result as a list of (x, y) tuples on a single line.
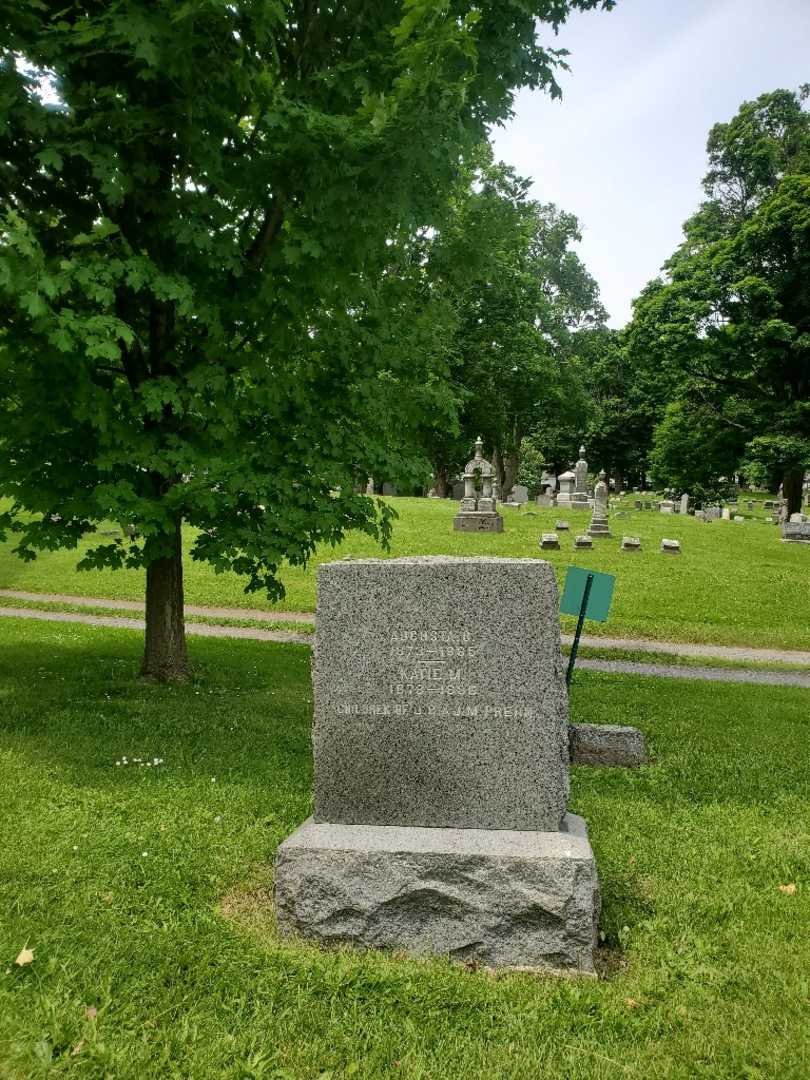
[(428, 662)]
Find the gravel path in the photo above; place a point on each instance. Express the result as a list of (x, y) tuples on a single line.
[(670, 648), (120, 622), (137, 605), (701, 674), (625, 667)]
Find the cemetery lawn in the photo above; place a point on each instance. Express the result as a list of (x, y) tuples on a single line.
[(143, 891), (732, 585)]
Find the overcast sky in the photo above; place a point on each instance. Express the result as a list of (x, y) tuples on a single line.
[(625, 149)]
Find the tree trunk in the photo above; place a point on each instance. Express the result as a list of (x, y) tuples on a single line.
[(792, 490), (165, 657), (440, 477), (497, 478), (511, 464)]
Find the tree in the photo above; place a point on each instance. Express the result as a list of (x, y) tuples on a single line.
[(691, 452), (193, 265), (522, 293), (732, 322)]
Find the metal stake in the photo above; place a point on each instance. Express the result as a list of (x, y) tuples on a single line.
[(572, 659)]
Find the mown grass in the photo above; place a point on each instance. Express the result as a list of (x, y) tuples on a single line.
[(733, 584), (142, 891)]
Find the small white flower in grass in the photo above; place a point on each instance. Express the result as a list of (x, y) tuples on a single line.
[(144, 854), (213, 779), (75, 847), (149, 764), (217, 819)]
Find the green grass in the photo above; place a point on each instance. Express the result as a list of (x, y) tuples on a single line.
[(733, 584), (708, 959)]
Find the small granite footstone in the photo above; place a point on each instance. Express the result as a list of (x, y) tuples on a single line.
[(606, 744), (583, 542), (561, 526), (631, 543), (550, 542), (504, 899), (671, 547)]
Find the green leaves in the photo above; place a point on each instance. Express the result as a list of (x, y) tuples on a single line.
[(203, 315)]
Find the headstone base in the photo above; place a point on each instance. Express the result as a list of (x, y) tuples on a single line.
[(504, 899), (477, 521), (579, 502)]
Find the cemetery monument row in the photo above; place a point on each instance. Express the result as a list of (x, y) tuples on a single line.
[(478, 509), (441, 746)]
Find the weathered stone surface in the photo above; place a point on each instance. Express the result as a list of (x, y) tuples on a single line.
[(440, 695), (549, 542), (631, 543), (796, 532), (583, 542), (503, 898), (666, 506), (671, 547), (519, 494), (562, 526), (476, 521), (606, 744)]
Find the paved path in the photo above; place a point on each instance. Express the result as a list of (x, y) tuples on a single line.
[(625, 667), (137, 605), (670, 648), (120, 622), (701, 674)]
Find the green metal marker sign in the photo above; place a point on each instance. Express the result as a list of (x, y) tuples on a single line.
[(587, 594), (599, 597)]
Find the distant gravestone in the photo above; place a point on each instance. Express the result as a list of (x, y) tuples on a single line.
[(441, 746), (599, 525), (666, 506), (739, 519), (631, 543), (583, 542), (671, 547), (700, 515), (566, 480), (797, 532), (477, 510), (519, 494), (549, 542), (562, 526), (726, 513), (684, 508)]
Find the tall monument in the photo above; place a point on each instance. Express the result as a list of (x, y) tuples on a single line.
[(579, 498), (477, 511), (599, 525)]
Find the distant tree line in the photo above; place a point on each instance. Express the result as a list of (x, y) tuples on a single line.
[(709, 382)]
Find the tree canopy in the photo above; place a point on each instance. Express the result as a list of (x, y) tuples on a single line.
[(201, 202), (729, 326)]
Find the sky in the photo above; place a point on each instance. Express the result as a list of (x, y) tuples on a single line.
[(625, 148)]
